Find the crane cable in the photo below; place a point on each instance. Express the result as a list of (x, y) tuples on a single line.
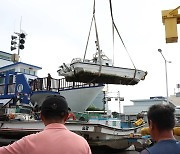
[(98, 46), (114, 27), (89, 32), (99, 51)]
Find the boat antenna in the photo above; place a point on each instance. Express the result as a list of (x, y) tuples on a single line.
[(114, 27), (20, 33), (17, 42), (20, 24)]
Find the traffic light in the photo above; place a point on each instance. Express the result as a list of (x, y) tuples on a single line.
[(13, 48), (22, 37), (13, 42), (18, 41)]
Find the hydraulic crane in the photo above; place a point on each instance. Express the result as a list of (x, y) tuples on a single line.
[(170, 19)]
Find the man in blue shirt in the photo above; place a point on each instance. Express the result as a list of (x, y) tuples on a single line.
[(161, 121)]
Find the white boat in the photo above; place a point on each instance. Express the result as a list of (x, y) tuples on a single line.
[(92, 71), (100, 68), (18, 83), (78, 95), (98, 135)]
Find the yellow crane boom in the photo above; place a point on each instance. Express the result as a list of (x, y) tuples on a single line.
[(170, 19)]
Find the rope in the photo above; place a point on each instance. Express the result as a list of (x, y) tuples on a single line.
[(114, 26), (89, 31), (113, 42), (99, 51), (88, 40)]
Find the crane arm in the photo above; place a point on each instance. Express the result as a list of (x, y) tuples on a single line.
[(170, 19)]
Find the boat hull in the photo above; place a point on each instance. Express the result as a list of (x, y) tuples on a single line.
[(79, 99), (109, 146), (95, 73), (38, 97), (99, 136), (92, 132)]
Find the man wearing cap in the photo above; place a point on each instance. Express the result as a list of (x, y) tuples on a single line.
[(55, 138)]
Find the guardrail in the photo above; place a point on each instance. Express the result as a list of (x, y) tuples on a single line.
[(58, 84)]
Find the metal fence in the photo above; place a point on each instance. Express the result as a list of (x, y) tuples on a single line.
[(58, 84)]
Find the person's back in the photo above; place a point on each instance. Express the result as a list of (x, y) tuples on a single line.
[(55, 138), (164, 147), (161, 121)]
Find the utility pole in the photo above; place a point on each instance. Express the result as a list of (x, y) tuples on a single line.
[(166, 74)]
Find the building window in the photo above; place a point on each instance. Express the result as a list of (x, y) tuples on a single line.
[(22, 70), (26, 71), (12, 70), (11, 79), (2, 80)]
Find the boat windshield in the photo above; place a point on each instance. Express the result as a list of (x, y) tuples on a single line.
[(76, 60), (104, 57)]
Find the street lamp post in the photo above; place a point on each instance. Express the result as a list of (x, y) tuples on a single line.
[(166, 73)]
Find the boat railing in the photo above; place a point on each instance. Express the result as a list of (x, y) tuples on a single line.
[(42, 84), (57, 84), (73, 85)]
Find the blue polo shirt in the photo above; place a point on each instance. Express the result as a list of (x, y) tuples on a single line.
[(164, 147)]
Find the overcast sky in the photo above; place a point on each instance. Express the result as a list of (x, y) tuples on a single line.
[(57, 32)]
